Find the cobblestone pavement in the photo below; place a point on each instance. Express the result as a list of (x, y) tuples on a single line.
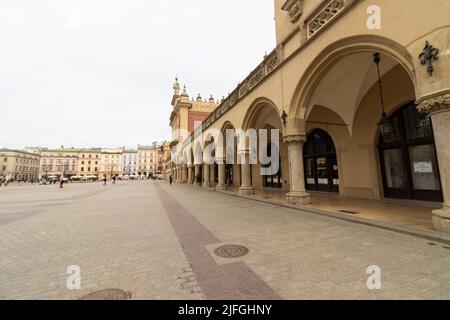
[(305, 256), (157, 241), (120, 237)]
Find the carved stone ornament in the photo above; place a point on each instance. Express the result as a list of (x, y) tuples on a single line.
[(297, 138), (294, 8), (435, 104)]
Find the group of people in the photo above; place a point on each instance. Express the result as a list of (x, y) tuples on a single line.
[(4, 181)]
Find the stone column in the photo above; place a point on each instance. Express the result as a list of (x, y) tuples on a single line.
[(190, 179), (221, 175), (246, 184), (212, 175), (438, 108), (297, 194), (184, 173), (206, 176), (197, 172)]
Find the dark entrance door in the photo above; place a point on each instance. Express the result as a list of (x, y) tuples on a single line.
[(229, 174), (408, 157), (321, 168), (275, 180)]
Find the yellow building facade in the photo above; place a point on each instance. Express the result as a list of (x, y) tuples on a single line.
[(89, 163), (16, 165), (111, 163), (360, 91)]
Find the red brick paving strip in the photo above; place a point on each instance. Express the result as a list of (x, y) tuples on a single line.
[(234, 281)]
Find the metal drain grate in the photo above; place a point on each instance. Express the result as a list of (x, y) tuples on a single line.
[(349, 211), (108, 294), (231, 251)]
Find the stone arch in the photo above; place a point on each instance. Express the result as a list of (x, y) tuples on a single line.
[(264, 114), (254, 110), (335, 126), (331, 54), (198, 153)]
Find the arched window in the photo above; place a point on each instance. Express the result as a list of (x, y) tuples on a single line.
[(408, 157), (321, 168)]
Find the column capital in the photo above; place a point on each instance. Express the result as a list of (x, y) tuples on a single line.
[(295, 139), (434, 104)]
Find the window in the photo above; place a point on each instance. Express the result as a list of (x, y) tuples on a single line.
[(408, 157), (321, 168)]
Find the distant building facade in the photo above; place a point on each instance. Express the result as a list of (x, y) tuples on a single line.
[(57, 163), (111, 162), (150, 160), (89, 163), (187, 115), (18, 165), (130, 162)]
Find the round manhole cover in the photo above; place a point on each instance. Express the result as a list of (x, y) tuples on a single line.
[(231, 251), (108, 294)]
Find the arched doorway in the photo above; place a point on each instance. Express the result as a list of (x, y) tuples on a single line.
[(321, 168), (264, 118), (408, 157), (275, 180), (232, 167)]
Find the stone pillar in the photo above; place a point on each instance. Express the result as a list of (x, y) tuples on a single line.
[(197, 172), (297, 194), (438, 108), (212, 175), (190, 179), (246, 184), (184, 173), (206, 176), (221, 175)]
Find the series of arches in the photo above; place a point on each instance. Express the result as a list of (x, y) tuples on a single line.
[(337, 102)]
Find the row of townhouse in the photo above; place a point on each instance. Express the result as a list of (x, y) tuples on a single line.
[(36, 163)]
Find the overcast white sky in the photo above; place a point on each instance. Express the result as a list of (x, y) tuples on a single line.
[(89, 73)]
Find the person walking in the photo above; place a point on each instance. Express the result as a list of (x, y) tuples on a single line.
[(114, 179), (61, 183), (170, 180), (104, 181)]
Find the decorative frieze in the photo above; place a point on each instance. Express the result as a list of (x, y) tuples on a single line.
[(272, 62), (327, 14), (435, 104), (256, 78), (243, 89), (294, 9)]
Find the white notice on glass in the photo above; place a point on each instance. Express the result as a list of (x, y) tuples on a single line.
[(423, 167)]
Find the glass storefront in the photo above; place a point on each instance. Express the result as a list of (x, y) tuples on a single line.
[(408, 157)]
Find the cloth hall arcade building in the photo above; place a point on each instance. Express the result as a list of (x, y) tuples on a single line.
[(360, 91)]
